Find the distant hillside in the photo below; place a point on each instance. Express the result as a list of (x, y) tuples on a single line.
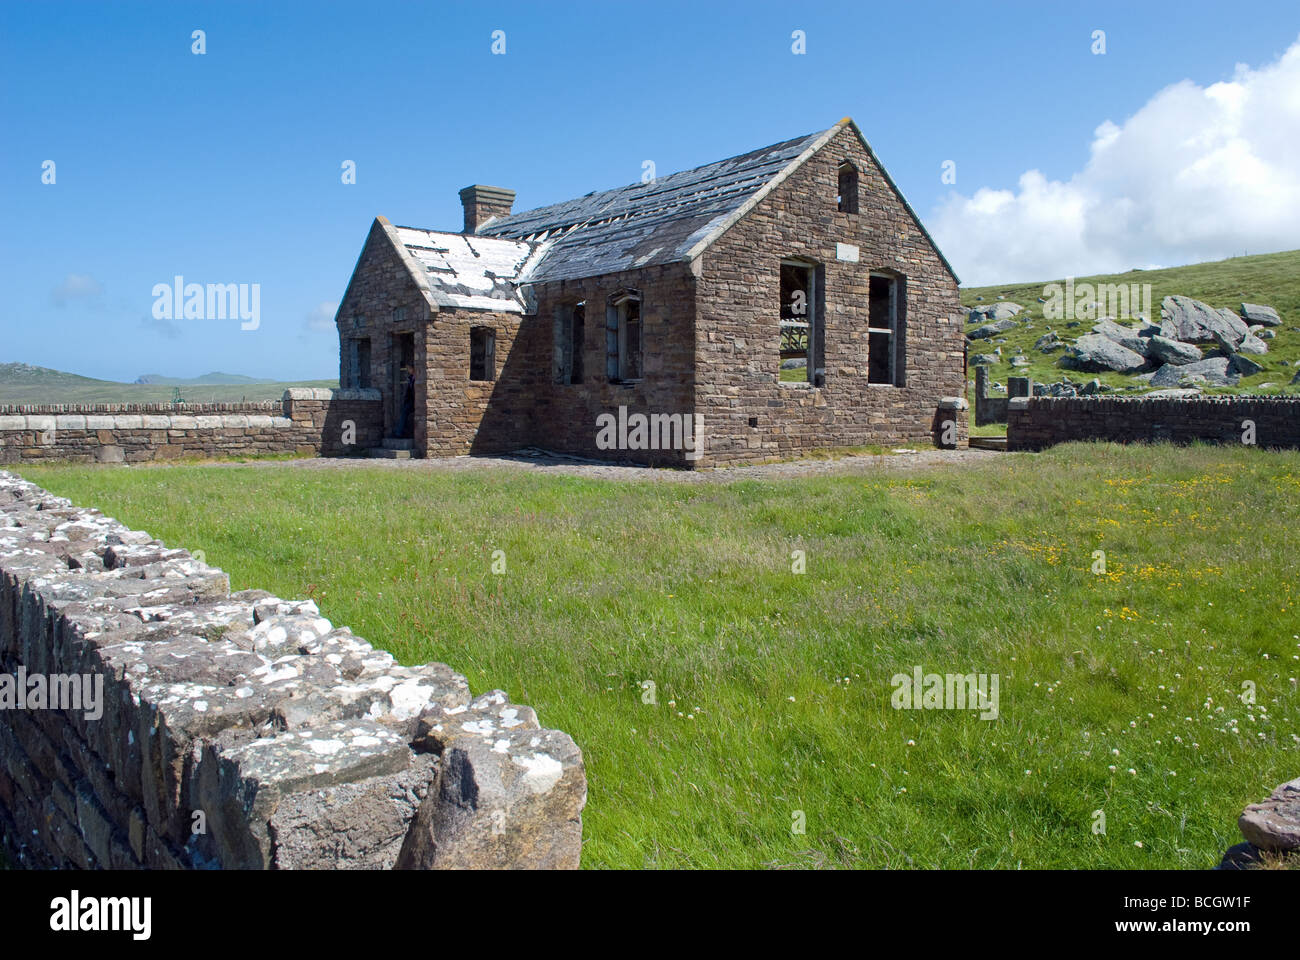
[(24, 374), (206, 379), (1271, 279), (24, 383)]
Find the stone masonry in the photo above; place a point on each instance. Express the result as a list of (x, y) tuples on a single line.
[(737, 381), (1034, 423), (305, 422), (240, 730), (710, 316)]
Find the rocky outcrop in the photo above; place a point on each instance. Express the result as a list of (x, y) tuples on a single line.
[(1257, 313), (1243, 366), (1274, 824), (241, 730), (1096, 353), (1165, 350), (991, 329), (1001, 311), (1197, 322), (1271, 827), (1126, 337), (1214, 371)]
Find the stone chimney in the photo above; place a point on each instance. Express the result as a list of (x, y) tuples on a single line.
[(483, 203)]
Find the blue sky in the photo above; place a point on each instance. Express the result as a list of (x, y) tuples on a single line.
[(225, 167)]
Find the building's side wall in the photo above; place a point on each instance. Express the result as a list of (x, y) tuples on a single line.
[(738, 333), (381, 302), (524, 406), (565, 414)]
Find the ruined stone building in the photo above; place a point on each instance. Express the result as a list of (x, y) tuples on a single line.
[(785, 299)]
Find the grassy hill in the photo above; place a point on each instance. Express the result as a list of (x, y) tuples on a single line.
[(1272, 279), (24, 383), (208, 379)]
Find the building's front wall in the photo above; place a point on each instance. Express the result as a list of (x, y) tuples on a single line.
[(473, 416), (738, 333)]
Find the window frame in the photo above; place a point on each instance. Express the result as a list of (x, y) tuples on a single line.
[(489, 353), (814, 370), (616, 342), (896, 330), (568, 362), (847, 201)]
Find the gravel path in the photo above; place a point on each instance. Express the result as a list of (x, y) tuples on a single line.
[(540, 461)]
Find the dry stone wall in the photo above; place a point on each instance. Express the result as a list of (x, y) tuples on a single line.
[(210, 729), (306, 422), (1034, 423)]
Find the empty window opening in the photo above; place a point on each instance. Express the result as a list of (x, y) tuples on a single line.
[(848, 188), (885, 331), (800, 317), (356, 364), (482, 353), (623, 338), (570, 325)]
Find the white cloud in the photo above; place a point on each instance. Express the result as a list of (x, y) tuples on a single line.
[(76, 286), (1198, 173), (320, 317)]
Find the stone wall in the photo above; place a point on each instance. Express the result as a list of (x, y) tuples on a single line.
[(306, 422), (994, 409), (564, 414), (1037, 422), (748, 412), (473, 416), (240, 730)]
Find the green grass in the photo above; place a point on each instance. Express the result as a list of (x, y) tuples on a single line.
[(773, 688), (1272, 279)]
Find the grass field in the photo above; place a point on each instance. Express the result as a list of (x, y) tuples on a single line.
[(1119, 691)]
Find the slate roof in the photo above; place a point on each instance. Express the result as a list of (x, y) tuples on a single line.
[(644, 223), (481, 273)]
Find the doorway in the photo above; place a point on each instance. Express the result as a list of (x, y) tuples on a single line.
[(401, 400)]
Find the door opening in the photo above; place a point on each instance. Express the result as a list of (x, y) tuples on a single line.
[(402, 396)]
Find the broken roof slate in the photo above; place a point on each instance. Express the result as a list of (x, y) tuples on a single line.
[(479, 273), (644, 224), (667, 220)]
